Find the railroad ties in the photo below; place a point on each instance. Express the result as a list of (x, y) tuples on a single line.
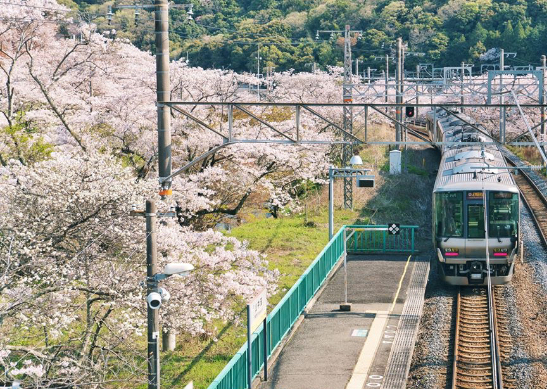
[(473, 363), (534, 199)]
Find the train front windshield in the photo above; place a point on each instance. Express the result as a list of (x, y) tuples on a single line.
[(461, 216), (449, 214), (503, 211)]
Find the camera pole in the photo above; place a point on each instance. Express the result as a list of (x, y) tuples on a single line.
[(152, 286)]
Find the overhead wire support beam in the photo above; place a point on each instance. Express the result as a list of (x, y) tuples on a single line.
[(199, 121), (346, 137), (271, 104), (238, 106), (525, 119)]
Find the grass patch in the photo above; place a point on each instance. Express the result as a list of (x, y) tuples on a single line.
[(290, 245), (530, 155)]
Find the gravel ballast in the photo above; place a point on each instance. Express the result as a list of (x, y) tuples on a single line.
[(526, 304)]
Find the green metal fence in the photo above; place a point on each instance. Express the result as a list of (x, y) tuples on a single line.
[(285, 314), (377, 239)]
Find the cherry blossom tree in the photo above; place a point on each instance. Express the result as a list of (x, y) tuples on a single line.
[(73, 264)]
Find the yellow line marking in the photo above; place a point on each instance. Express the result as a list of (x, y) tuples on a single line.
[(400, 284)]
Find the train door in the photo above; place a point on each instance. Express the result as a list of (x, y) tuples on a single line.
[(474, 247)]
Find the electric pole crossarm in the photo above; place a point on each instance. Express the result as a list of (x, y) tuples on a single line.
[(263, 122), (332, 124), (242, 141), (199, 121), (197, 160)]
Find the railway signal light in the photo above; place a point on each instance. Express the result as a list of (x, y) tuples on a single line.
[(409, 112)]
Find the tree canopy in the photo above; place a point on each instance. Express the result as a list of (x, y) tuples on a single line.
[(226, 34)]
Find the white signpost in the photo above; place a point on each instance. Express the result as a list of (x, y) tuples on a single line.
[(256, 314)]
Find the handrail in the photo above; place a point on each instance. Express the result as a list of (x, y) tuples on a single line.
[(282, 318)]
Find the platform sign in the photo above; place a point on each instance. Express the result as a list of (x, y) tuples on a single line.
[(256, 315), (394, 228), (257, 309)]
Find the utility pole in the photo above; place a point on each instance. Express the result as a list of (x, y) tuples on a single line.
[(461, 85), (417, 91), (258, 69), (151, 215), (151, 286), (347, 149), (502, 109), (387, 78), (399, 97), (163, 94), (543, 65)]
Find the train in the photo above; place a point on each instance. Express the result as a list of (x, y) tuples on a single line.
[(472, 175)]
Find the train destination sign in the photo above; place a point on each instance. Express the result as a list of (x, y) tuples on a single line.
[(474, 195)]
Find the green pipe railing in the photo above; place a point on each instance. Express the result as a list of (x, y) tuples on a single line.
[(377, 239), (286, 313)]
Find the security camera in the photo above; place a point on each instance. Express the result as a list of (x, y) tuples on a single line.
[(165, 295), (154, 300)]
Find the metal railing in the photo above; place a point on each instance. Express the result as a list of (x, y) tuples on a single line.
[(377, 239), (287, 311)]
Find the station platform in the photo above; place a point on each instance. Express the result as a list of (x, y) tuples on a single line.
[(368, 346)]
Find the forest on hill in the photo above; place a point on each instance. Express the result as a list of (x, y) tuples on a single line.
[(228, 33)]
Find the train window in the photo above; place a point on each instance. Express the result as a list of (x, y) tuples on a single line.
[(503, 213), (449, 214), (475, 221)]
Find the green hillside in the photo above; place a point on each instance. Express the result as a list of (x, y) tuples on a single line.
[(227, 33)]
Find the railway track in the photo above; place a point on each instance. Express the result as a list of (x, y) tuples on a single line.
[(534, 199), (481, 340)]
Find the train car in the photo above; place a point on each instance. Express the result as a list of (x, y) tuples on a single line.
[(470, 178)]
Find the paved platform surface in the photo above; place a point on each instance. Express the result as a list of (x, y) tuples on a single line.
[(325, 349)]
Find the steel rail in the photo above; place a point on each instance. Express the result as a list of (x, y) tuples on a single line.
[(469, 368), (456, 341), (539, 194)]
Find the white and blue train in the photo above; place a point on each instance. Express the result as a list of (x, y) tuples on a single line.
[(470, 178)]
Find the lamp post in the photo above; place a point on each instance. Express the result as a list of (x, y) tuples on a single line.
[(154, 298), (363, 181), (155, 295)]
